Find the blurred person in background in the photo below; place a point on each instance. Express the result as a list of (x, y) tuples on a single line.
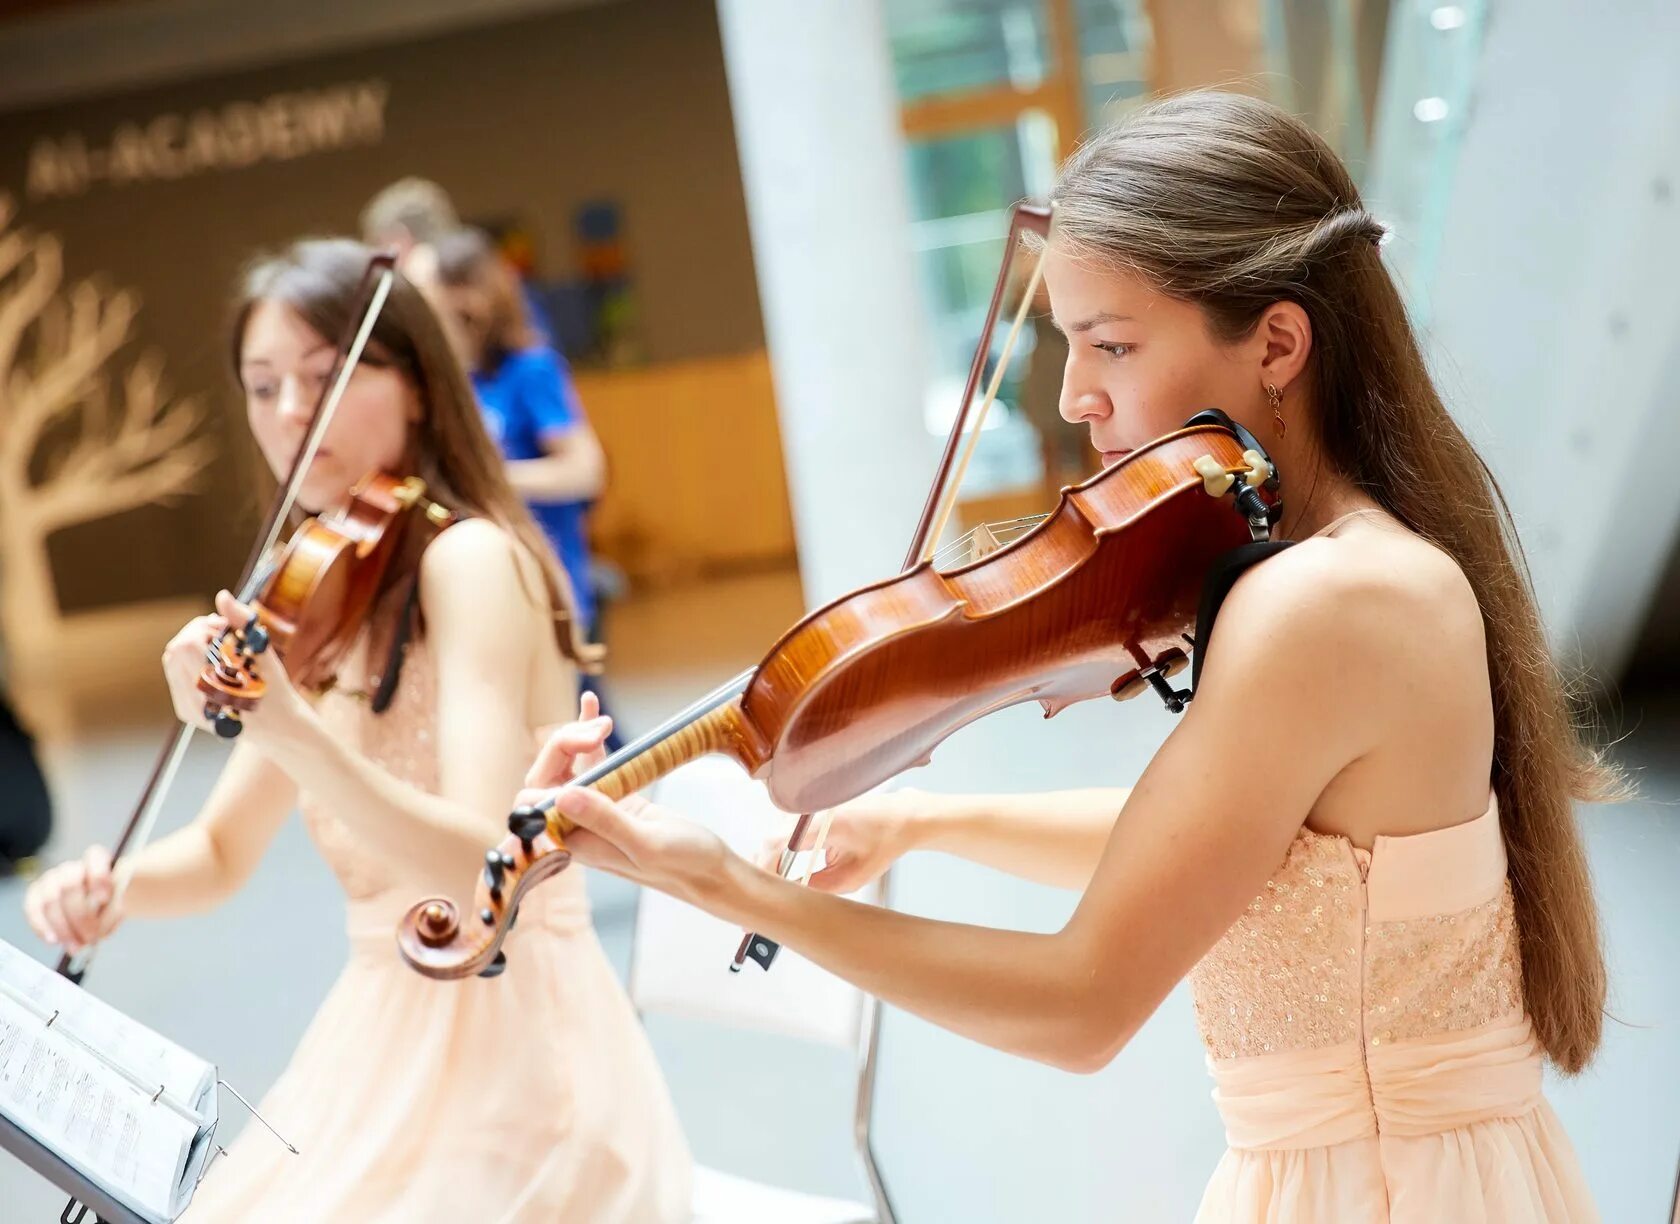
[(26, 814), (529, 402), (533, 1097), (413, 213)]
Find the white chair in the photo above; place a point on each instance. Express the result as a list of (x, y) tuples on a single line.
[(678, 967)]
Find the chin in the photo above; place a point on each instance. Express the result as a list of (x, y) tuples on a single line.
[(318, 495)]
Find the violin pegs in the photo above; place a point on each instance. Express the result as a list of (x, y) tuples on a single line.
[(496, 867), (527, 824), (495, 967), (225, 723), (1215, 479)]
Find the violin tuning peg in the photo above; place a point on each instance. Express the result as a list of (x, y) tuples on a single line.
[(495, 967), (1215, 479), (527, 824), (256, 639), (225, 723)]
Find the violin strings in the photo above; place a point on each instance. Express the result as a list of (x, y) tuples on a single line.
[(663, 731), (312, 443), (1004, 531), (949, 497)]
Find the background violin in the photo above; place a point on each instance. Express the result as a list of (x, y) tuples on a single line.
[(1094, 600), (316, 596)]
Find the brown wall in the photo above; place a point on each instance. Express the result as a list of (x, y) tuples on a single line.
[(625, 101)]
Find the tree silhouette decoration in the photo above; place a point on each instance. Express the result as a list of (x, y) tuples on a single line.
[(79, 439)]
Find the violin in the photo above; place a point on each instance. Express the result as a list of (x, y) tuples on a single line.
[(1095, 600), (286, 582), (315, 597)]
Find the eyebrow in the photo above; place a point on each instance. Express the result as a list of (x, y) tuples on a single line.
[(264, 361), (1085, 325)]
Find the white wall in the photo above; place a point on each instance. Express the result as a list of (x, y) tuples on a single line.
[(1556, 301), (816, 124)]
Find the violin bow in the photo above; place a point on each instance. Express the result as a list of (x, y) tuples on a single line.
[(370, 298), (1024, 218)]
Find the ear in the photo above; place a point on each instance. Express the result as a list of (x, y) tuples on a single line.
[(1285, 338)]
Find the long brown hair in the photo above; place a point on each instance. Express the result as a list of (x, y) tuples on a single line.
[(1228, 202), (449, 448)]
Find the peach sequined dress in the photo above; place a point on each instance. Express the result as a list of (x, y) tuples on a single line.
[(533, 1096), (1371, 1056)]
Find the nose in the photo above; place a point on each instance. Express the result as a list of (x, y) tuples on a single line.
[(1079, 405), (293, 407)]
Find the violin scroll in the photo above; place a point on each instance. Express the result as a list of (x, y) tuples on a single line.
[(438, 942)]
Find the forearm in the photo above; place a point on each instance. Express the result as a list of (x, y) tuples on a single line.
[(572, 476), (436, 837), (1053, 837), (176, 875), (1026, 994)]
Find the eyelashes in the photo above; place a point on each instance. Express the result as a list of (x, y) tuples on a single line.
[(1114, 350)]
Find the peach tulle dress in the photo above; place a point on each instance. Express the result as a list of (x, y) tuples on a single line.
[(1371, 1056), (533, 1096)]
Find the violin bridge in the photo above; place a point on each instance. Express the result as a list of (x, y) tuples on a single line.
[(982, 543)]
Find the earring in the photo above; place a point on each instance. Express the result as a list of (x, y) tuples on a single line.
[(1274, 397)]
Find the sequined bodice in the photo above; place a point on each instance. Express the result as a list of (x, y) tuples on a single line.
[(400, 742), (1414, 939)]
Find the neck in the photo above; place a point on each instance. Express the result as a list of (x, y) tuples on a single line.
[(1314, 493)]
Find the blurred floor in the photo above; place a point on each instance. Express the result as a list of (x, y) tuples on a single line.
[(772, 1106)]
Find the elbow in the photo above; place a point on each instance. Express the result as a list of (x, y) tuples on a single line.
[(1088, 1040), (594, 473), (225, 871)]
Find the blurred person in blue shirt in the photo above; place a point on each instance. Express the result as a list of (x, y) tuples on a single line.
[(414, 213), (530, 405)]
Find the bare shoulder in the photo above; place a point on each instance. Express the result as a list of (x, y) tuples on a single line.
[(1367, 610), (480, 568)]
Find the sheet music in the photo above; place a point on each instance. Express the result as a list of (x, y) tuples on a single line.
[(152, 1060), (91, 1116), (129, 1108)]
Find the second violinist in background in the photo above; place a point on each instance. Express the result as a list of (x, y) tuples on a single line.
[(530, 1097)]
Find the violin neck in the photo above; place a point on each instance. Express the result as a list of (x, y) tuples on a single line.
[(714, 724)]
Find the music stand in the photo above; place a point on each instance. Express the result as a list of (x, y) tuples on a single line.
[(50, 1165)]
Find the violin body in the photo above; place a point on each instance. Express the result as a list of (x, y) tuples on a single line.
[(314, 600), (1094, 601), (1106, 587)]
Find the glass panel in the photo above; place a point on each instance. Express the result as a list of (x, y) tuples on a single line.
[(957, 46), (962, 188), (1115, 45), (1430, 67), (1321, 56)]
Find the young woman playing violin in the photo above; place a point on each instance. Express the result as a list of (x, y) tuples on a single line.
[(531, 1097), (1359, 840)]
